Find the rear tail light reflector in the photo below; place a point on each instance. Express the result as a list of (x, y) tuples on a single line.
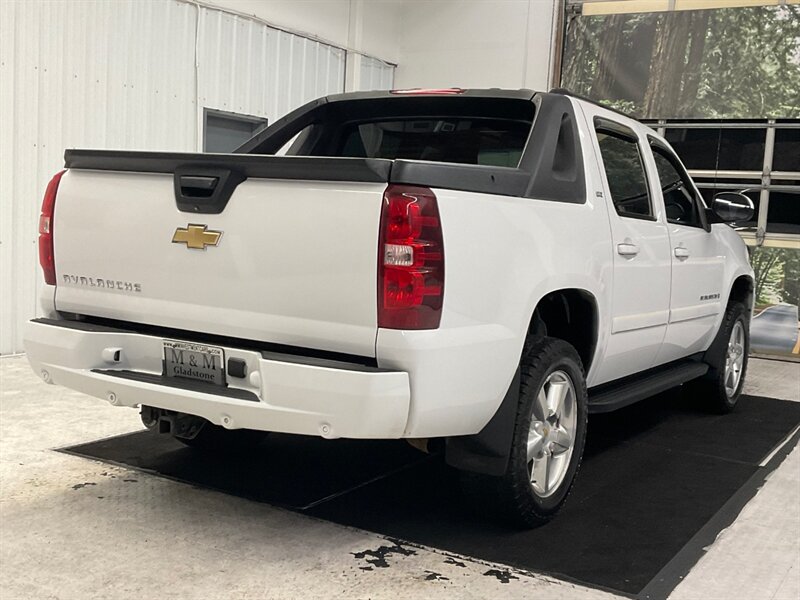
[(410, 260), (46, 255)]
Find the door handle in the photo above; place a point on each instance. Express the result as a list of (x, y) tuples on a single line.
[(204, 190), (627, 249), (681, 253), (195, 186)]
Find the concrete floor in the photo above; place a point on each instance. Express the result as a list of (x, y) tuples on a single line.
[(73, 528)]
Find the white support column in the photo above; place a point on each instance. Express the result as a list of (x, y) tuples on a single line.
[(542, 25), (355, 30)]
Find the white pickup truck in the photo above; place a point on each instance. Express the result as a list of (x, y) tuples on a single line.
[(480, 269)]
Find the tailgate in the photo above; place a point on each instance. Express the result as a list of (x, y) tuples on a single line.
[(294, 262)]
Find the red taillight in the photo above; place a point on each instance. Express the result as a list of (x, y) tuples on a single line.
[(46, 258), (428, 92), (410, 260)]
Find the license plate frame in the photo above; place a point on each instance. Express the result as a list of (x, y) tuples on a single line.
[(194, 362)]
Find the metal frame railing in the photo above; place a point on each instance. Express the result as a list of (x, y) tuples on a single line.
[(763, 180)]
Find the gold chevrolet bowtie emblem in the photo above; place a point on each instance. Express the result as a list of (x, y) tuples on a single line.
[(196, 236)]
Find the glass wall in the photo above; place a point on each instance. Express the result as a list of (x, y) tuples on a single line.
[(729, 63), (723, 86)]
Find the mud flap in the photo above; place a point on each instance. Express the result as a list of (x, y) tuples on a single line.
[(488, 450)]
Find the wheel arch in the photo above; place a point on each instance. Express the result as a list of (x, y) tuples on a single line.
[(568, 313), (743, 290)]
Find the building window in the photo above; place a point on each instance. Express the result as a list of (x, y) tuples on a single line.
[(226, 131), (786, 156), (718, 148)]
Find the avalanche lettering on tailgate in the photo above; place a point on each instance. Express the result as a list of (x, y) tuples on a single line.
[(102, 283)]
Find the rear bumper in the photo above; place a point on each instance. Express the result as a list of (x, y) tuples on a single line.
[(279, 393)]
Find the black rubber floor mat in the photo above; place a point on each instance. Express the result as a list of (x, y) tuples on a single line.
[(291, 471), (653, 476)]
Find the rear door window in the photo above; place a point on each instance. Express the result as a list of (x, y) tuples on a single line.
[(624, 167)]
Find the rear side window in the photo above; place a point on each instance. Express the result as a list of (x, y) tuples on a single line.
[(474, 141), (622, 162)]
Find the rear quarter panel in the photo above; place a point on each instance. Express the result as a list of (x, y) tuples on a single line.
[(502, 255)]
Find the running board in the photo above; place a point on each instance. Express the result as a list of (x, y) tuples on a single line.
[(613, 396)]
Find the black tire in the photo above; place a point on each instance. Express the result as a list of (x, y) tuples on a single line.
[(514, 493), (716, 395), (218, 440)]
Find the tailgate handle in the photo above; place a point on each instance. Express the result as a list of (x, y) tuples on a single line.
[(194, 186), (205, 190)]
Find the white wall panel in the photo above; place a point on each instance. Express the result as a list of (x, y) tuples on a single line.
[(127, 74), (376, 74), (476, 43)]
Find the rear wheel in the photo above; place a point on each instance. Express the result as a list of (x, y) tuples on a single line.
[(722, 385), (549, 436)]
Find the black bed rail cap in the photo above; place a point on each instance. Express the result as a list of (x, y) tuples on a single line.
[(566, 92)]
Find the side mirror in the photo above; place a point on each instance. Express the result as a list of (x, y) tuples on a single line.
[(731, 207)]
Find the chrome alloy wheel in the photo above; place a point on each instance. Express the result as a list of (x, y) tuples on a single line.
[(734, 359), (551, 437)]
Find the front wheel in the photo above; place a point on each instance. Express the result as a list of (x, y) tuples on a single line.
[(549, 435)]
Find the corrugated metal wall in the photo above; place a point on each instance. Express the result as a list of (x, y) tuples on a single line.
[(126, 74), (376, 74), (246, 67)]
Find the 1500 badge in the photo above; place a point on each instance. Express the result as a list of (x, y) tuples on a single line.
[(709, 297), (108, 284)]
